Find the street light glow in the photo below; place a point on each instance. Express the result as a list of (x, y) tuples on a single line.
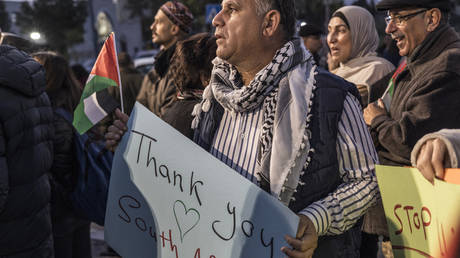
[(35, 35)]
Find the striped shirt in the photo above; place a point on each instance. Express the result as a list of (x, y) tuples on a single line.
[(235, 143)]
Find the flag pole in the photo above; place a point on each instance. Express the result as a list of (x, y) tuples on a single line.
[(118, 70)]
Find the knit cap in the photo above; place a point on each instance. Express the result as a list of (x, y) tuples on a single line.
[(179, 14)]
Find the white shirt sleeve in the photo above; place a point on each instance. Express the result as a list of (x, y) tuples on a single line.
[(357, 158)]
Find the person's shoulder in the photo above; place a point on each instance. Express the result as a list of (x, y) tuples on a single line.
[(382, 63), (326, 79), (448, 60), (328, 82), (20, 72), (10, 55)]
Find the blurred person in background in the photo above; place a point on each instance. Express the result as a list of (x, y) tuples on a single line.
[(26, 156), (70, 232), (389, 50), (353, 39), (191, 69), (131, 80), (18, 41), (311, 36), (172, 23), (80, 74)]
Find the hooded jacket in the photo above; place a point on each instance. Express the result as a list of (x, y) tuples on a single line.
[(26, 155)]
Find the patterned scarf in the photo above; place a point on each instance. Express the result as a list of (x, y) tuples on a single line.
[(226, 87)]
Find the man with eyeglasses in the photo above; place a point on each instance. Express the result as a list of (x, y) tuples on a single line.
[(423, 95)]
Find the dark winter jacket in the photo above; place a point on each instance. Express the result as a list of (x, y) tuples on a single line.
[(158, 91), (26, 154), (426, 98), (63, 178), (179, 114)]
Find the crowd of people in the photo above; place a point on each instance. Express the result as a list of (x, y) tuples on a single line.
[(258, 96)]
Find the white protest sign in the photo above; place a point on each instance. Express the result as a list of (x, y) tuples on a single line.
[(170, 198)]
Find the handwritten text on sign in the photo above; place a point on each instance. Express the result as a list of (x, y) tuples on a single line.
[(423, 220), (170, 198)]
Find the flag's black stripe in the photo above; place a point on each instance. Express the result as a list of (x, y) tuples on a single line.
[(106, 101)]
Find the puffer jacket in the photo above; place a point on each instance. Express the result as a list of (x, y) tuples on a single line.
[(26, 155), (63, 179)]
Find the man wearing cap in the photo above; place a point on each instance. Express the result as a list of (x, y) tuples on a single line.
[(423, 94), (172, 23), (311, 35)]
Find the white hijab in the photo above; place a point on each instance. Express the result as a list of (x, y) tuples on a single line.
[(363, 66)]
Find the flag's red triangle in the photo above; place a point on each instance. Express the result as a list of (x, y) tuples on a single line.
[(106, 64)]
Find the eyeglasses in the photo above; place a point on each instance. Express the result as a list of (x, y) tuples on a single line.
[(400, 19)]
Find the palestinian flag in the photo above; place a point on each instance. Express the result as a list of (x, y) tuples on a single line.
[(95, 102)]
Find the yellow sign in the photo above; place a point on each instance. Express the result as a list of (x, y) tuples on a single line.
[(423, 219)]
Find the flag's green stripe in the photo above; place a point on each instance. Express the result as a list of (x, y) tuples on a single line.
[(96, 84), (392, 87), (81, 121)]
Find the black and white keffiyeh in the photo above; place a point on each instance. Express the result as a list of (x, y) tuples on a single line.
[(226, 85), (227, 89)]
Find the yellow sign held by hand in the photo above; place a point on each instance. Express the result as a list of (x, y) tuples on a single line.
[(423, 219)]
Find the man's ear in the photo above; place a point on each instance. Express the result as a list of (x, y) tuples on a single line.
[(271, 23), (175, 30), (434, 18)]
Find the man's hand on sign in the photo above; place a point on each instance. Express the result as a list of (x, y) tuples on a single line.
[(374, 110), (305, 242), (116, 130), (431, 158)]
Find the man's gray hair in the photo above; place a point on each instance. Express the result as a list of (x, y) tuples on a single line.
[(263, 6), (286, 9)]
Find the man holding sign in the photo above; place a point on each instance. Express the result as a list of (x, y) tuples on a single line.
[(280, 121)]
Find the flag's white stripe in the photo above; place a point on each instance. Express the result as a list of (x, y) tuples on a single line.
[(93, 110), (90, 77)]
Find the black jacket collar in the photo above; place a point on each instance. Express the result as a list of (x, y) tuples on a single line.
[(163, 59)]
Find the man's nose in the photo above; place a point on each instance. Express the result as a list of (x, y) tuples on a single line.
[(217, 20), (391, 27)]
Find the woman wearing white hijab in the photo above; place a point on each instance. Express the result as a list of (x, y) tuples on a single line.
[(353, 39)]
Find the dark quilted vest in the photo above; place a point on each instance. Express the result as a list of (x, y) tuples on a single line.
[(322, 175)]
